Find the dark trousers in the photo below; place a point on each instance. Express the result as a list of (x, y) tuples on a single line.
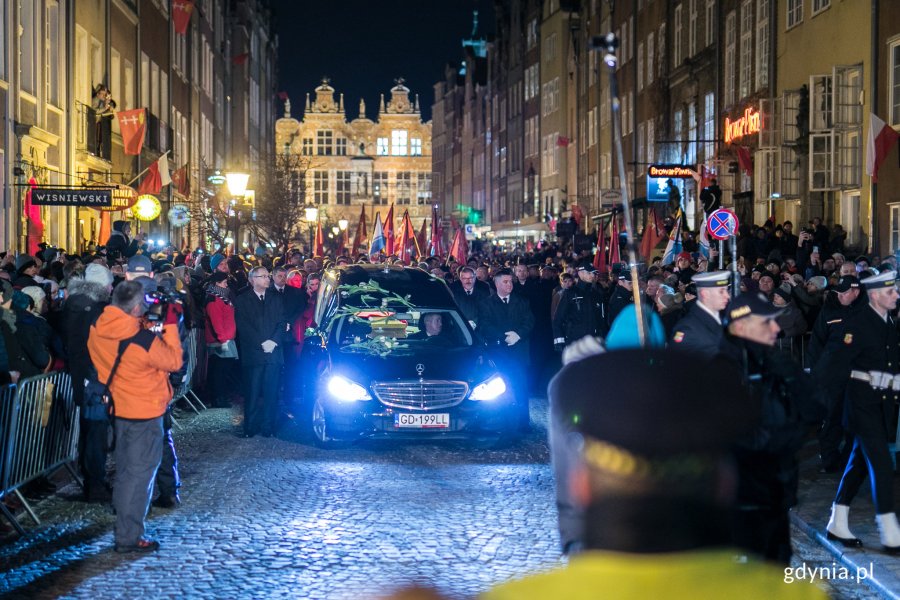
[(261, 398), (138, 452), (870, 457), (763, 532), (513, 367), (222, 380), (93, 446), (832, 434), (167, 479)]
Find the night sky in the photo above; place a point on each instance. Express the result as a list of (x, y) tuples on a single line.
[(363, 45)]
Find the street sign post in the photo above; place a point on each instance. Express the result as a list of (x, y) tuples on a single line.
[(721, 225)]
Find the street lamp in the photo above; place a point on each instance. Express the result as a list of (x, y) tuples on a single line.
[(237, 186), (343, 223), (312, 216)]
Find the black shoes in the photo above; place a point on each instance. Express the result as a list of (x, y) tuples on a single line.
[(143, 546), (167, 501), (846, 542)]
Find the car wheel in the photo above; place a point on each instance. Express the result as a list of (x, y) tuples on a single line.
[(320, 430)]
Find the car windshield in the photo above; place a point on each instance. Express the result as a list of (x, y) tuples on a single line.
[(385, 332)]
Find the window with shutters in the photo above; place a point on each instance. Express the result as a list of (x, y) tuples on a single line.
[(847, 158), (821, 161), (730, 57), (790, 173), (766, 164), (769, 128), (762, 44), (848, 107), (820, 103), (790, 112)]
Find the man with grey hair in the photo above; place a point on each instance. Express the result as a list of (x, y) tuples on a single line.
[(261, 330), (86, 299), (134, 363)]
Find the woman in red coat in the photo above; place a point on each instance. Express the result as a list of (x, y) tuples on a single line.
[(220, 328)]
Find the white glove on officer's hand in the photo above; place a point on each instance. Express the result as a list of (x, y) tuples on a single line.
[(268, 346), (512, 337)]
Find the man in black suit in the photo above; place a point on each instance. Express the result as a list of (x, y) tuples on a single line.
[(468, 293), (295, 301), (261, 329), (505, 322)]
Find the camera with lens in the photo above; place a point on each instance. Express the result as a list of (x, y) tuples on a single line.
[(158, 302)]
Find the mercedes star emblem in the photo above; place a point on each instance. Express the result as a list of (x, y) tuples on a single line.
[(420, 368)]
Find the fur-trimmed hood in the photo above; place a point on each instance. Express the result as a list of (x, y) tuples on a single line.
[(94, 291)]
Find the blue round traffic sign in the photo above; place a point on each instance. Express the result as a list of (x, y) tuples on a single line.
[(722, 224)]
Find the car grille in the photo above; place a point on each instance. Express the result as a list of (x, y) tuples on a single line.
[(421, 395)]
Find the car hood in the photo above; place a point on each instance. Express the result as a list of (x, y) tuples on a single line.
[(458, 364)]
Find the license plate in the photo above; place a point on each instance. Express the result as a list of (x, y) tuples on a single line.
[(422, 421)]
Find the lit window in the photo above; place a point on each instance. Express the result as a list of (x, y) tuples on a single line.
[(399, 139), (379, 187), (415, 148), (382, 146), (404, 187), (320, 187)]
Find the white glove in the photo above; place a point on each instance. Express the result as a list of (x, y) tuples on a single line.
[(512, 337), (268, 346)]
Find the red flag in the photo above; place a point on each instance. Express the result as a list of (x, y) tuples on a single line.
[(408, 247), (35, 223), (459, 247), (437, 235), (360, 236), (614, 241), (182, 180), (881, 139), (389, 232), (152, 181), (600, 255), (320, 241), (240, 59), (654, 232), (133, 125), (181, 15), (422, 237), (745, 160), (562, 141)]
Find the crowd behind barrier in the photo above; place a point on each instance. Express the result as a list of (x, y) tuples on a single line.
[(39, 426)]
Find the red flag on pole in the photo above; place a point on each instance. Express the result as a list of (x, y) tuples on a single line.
[(437, 248), (407, 245), (182, 180), (654, 232), (879, 142), (422, 237), (745, 160), (133, 125), (181, 15), (157, 176), (320, 241), (388, 228), (614, 241), (360, 236), (459, 247), (35, 224), (600, 255)]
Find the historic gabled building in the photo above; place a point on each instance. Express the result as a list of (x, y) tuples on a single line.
[(361, 162)]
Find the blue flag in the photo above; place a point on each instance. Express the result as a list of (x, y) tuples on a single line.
[(377, 237)]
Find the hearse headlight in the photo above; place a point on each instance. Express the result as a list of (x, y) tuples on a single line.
[(491, 389), (343, 389)]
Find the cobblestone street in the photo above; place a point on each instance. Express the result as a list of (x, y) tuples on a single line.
[(270, 518)]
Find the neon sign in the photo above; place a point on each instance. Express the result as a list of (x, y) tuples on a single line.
[(671, 171), (748, 124)]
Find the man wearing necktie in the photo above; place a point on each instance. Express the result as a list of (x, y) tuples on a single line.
[(505, 322), (468, 293), (262, 334)]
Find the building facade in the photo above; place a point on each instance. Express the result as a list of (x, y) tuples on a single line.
[(361, 162), (199, 89)]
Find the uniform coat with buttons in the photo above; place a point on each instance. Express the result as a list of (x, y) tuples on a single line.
[(580, 313), (698, 332)]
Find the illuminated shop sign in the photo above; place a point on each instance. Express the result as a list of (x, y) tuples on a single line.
[(748, 124), (671, 171)]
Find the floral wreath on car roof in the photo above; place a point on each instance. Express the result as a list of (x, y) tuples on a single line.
[(379, 311)]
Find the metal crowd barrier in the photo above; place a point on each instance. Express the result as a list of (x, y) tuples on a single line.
[(39, 435), (186, 388)]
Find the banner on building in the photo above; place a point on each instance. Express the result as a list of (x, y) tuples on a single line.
[(78, 197)]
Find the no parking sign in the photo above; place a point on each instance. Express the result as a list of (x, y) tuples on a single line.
[(722, 224)]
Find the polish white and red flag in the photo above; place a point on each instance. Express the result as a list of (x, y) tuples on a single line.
[(882, 138)]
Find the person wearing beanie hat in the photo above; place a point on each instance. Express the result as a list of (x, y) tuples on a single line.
[(26, 271), (119, 244), (38, 297), (841, 302), (790, 321), (217, 262), (768, 473), (33, 331)]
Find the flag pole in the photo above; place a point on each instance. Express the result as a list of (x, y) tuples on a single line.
[(608, 44), (136, 177)]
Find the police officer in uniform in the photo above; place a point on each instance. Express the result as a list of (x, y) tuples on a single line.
[(649, 467), (622, 294), (839, 305), (871, 348), (580, 310), (768, 473), (700, 330)]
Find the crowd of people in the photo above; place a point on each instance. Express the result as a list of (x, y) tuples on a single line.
[(118, 319)]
